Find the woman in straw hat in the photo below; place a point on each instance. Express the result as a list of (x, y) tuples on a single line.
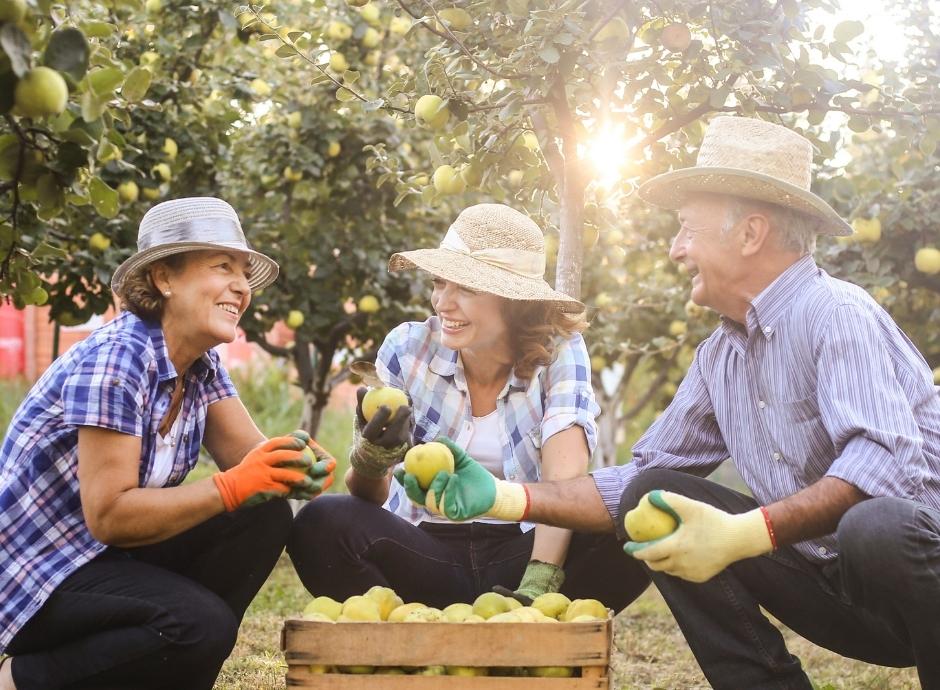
[(112, 575), (502, 369)]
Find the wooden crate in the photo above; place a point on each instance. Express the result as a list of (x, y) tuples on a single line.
[(585, 645)]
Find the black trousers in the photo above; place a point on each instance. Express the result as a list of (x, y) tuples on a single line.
[(342, 545), (159, 616)]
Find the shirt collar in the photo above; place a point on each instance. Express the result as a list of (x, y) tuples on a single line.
[(203, 368), (775, 300)]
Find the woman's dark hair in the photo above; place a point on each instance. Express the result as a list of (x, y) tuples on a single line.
[(535, 331), (139, 294)]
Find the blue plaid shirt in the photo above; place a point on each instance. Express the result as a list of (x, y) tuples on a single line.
[(530, 412), (115, 379), (819, 383)]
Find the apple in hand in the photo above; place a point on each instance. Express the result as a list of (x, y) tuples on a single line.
[(424, 461)]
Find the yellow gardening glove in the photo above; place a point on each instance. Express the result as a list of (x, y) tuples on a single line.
[(706, 541)]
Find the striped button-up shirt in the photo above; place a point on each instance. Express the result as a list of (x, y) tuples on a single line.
[(820, 383), (530, 412), (119, 378)]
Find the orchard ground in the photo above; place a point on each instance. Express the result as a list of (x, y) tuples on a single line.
[(649, 650)]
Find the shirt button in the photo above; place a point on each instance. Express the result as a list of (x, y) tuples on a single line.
[(511, 477), (761, 404), (822, 550), (768, 330), (777, 456)]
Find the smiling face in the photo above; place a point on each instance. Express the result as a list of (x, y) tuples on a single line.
[(713, 260), (470, 320), (208, 295)]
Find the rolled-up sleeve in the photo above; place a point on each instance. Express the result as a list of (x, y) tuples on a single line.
[(685, 437), (865, 410), (569, 396)]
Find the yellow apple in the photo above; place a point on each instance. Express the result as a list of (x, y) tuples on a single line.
[(490, 604), (398, 614), (456, 18), (292, 175), (295, 319), (551, 671), (153, 6), (927, 260), (676, 37), (467, 670), (162, 170), (399, 25), (338, 62), (338, 31), (867, 229), (603, 300), (148, 57), (425, 460), (294, 119), (527, 140), (458, 613), (372, 58), (371, 38), (360, 608), (392, 398), (170, 148), (361, 670), (678, 328), (128, 191), (431, 111), (151, 193), (42, 91), (368, 304), (426, 614), (370, 13), (448, 181), (333, 149), (598, 363), (693, 310), (325, 606), (12, 10), (551, 604), (99, 242), (515, 179), (386, 598), (646, 522), (585, 607)]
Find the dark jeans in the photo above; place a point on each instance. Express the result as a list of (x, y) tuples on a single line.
[(155, 617), (878, 602), (342, 545)]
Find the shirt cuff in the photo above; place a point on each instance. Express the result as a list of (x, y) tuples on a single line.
[(611, 483)]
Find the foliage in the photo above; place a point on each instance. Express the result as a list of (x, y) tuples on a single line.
[(12, 391)]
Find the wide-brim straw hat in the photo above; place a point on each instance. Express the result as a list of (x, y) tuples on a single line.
[(754, 159), (492, 248), (191, 224)]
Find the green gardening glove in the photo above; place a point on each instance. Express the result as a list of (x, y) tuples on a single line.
[(539, 578), (471, 491), (319, 474)]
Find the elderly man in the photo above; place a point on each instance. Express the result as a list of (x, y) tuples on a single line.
[(828, 412)]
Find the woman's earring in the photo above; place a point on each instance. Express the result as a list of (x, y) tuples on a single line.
[(166, 294)]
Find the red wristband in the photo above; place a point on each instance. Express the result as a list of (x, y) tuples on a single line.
[(528, 503), (770, 527)]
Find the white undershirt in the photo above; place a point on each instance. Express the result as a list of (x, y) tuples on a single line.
[(163, 455)]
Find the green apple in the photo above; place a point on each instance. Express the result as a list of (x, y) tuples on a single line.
[(42, 91), (425, 460), (448, 181), (646, 522), (927, 260), (128, 191), (431, 112), (392, 398)]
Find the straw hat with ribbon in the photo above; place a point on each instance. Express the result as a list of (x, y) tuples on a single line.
[(492, 248), (186, 225), (754, 159)]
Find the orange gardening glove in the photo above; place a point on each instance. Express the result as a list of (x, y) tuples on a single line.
[(264, 472)]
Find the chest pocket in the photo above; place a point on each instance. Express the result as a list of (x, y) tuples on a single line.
[(800, 411), (425, 430)]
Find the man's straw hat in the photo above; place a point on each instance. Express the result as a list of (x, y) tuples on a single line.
[(492, 248), (186, 225), (750, 158)]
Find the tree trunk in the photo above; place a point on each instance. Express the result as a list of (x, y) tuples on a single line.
[(313, 361)]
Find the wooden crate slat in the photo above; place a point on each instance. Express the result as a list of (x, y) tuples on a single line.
[(447, 644), (336, 681)]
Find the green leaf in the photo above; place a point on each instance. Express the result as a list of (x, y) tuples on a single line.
[(846, 31), (68, 52), (98, 29), (104, 81), (345, 95), (136, 84), (286, 51), (103, 198), (93, 106), (16, 45), (549, 54)]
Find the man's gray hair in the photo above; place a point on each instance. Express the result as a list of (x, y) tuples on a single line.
[(795, 231)]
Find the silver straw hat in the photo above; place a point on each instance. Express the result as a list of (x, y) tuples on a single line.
[(492, 248), (751, 158), (185, 225)]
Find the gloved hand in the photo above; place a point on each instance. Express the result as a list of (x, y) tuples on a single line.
[(471, 491), (270, 470), (381, 442), (538, 579), (319, 474), (706, 541)]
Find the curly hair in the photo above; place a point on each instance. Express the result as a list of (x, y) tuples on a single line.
[(138, 293), (536, 329)]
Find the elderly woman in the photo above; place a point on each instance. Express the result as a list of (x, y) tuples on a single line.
[(112, 573), (502, 369)]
